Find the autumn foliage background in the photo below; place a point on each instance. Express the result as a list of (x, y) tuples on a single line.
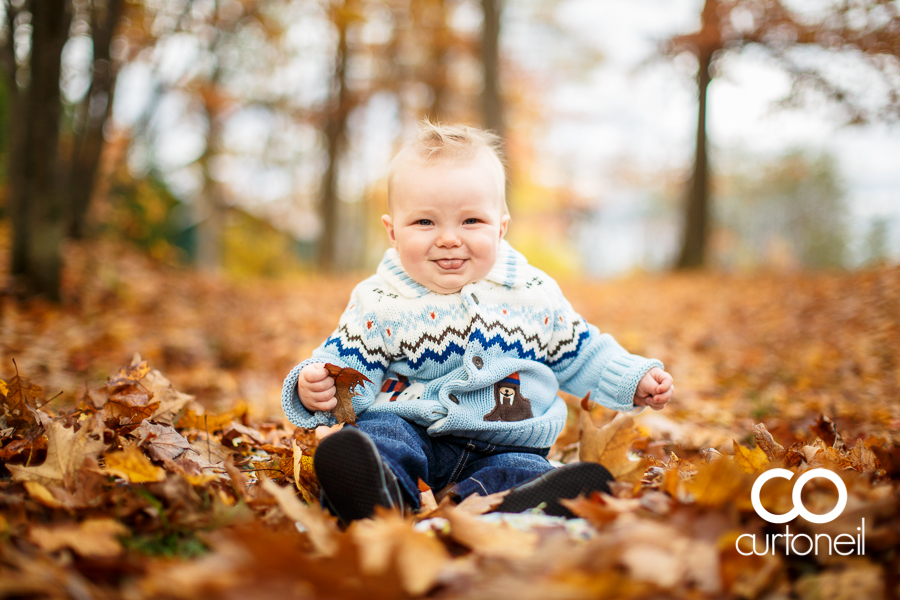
[(126, 485), (163, 267)]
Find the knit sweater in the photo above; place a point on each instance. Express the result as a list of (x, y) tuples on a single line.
[(486, 362)]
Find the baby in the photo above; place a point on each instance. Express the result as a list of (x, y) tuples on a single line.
[(466, 345)]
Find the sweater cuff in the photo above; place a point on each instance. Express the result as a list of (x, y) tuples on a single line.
[(294, 409), (620, 377)]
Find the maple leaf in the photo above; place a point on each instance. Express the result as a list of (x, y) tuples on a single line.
[(133, 466), (389, 538), (610, 444), (346, 380), (130, 402), (171, 402), (66, 451), (750, 461)]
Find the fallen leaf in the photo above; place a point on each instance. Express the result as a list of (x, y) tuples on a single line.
[(92, 538), (346, 381), (750, 461), (41, 494), (305, 478), (389, 538), (66, 451), (172, 403), (161, 442), (321, 531), (773, 450), (20, 402), (133, 466), (610, 445), (476, 504), (490, 539)]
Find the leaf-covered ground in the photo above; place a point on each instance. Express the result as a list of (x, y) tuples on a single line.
[(144, 454)]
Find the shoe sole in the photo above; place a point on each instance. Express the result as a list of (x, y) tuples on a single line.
[(569, 481), (351, 474)]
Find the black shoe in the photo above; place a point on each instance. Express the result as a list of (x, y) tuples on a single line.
[(353, 478), (568, 481)]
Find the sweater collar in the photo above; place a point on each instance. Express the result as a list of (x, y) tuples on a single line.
[(508, 271)]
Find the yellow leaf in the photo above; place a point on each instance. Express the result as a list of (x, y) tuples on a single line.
[(200, 480), (3, 387), (750, 461), (132, 465), (95, 538), (305, 475), (610, 445), (42, 495)]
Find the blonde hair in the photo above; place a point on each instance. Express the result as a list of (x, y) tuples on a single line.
[(454, 144)]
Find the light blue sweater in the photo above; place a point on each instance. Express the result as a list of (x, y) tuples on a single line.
[(485, 363)]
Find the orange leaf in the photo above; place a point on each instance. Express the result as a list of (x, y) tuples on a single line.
[(610, 444), (346, 381)]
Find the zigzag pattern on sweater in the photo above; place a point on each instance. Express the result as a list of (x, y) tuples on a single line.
[(369, 357), (452, 341), (408, 348)]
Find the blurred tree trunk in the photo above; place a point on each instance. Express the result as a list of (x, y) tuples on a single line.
[(335, 138), (210, 209), (36, 197), (439, 40), (491, 103), (91, 116), (704, 44), (696, 216)]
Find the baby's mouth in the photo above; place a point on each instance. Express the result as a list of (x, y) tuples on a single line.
[(450, 264)]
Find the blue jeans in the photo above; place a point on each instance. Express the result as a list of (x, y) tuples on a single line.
[(471, 466)]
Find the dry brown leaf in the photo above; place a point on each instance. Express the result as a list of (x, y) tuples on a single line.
[(133, 466), (610, 445), (774, 451), (66, 451), (346, 381), (92, 538), (322, 531), (20, 402), (490, 539), (476, 504), (161, 442), (171, 402), (388, 538)]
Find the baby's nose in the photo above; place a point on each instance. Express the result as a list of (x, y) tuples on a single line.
[(449, 237)]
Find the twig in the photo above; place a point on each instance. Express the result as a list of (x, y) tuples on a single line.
[(48, 401)]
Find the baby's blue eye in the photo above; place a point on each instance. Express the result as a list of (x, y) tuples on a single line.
[(470, 221), (424, 222)]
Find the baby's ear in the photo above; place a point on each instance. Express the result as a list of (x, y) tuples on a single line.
[(504, 223), (389, 227)]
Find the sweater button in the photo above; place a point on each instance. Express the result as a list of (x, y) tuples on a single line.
[(454, 398), (476, 360), (475, 299)]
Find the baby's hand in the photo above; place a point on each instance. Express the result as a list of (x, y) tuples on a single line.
[(655, 389), (316, 388)]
